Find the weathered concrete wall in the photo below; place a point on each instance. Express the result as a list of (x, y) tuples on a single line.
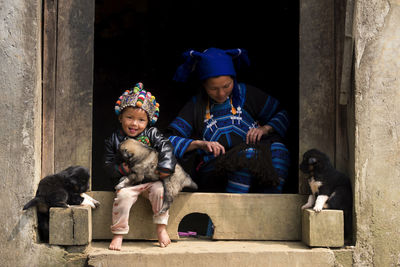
[(20, 131), (377, 165)]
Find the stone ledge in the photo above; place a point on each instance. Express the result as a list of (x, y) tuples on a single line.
[(212, 253), (70, 226), (235, 216), (323, 229)]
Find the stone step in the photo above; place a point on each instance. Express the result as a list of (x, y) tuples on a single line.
[(197, 252), (235, 216), (242, 217)]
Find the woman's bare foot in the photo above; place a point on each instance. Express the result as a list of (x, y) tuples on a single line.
[(163, 237), (116, 242)]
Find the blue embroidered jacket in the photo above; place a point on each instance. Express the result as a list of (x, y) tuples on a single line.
[(255, 108)]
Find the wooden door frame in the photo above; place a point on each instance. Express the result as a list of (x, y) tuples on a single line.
[(68, 38), (326, 102)]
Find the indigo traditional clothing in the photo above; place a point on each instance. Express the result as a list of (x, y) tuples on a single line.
[(253, 108)]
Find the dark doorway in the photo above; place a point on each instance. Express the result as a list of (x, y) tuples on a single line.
[(143, 41), (196, 225)]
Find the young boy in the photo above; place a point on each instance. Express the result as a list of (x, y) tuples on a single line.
[(137, 110)]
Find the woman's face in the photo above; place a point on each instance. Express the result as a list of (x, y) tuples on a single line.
[(133, 121), (219, 88)]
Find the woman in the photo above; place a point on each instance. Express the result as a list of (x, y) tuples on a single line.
[(224, 115)]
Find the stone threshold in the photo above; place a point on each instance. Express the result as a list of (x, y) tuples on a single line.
[(235, 216), (195, 252)]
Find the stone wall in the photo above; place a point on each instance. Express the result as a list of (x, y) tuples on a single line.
[(377, 166), (20, 131)]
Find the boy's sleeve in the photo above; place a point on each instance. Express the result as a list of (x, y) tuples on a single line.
[(166, 158), (111, 165)]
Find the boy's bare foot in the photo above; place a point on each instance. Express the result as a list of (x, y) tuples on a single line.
[(116, 242), (163, 237)]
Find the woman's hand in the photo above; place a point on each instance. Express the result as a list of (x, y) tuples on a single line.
[(254, 134), (211, 147)]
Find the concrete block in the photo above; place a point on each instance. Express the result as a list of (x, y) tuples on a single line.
[(235, 216), (323, 229), (70, 226)]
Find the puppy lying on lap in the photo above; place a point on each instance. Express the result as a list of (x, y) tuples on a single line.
[(142, 160), (330, 188)]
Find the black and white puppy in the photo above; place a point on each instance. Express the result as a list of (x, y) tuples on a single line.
[(330, 188), (60, 190)]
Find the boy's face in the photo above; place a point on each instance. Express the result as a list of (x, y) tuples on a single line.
[(133, 121)]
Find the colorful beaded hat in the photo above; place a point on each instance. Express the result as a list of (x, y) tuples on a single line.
[(140, 98)]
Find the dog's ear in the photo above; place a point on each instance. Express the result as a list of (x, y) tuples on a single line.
[(312, 160), (131, 161), (73, 180), (74, 184)]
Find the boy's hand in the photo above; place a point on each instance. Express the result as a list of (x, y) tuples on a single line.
[(126, 167)]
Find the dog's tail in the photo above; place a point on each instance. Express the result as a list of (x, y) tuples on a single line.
[(189, 183), (31, 203)]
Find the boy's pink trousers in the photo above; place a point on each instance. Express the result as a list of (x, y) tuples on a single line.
[(126, 197)]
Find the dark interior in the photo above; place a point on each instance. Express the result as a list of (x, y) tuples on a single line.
[(200, 223), (143, 41)]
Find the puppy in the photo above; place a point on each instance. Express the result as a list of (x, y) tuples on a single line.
[(60, 190), (330, 188), (142, 160), (260, 165)]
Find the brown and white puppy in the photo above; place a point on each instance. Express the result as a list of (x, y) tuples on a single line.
[(330, 188), (143, 160)]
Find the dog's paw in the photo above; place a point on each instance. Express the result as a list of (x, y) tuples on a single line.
[(89, 201), (317, 208), (118, 187), (164, 208), (306, 206), (310, 202), (320, 202), (162, 211), (123, 182), (96, 203)]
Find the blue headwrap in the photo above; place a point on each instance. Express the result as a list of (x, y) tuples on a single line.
[(212, 62)]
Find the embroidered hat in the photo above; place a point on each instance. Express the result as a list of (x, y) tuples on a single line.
[(140, 98), (211, 63)]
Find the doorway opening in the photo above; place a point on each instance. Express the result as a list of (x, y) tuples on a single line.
[(143, 41), (196, 225)]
